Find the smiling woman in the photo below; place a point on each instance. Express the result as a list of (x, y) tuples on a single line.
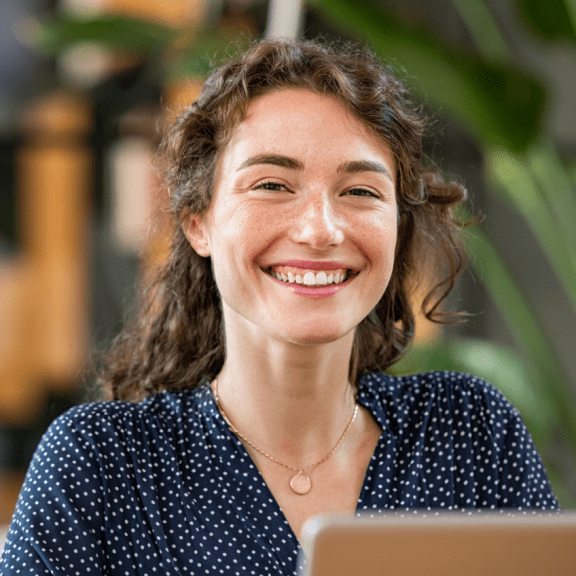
[(374, 106), (302, 186), (256, 367)]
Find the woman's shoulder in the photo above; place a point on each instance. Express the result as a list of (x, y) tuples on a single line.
[(164, 412), (449, 392), (459, 422), (437, 382)]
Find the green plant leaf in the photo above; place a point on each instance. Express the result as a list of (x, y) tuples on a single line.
[(553, 385), (499, 104), (552, 20), (483, 29), (118, 32), (558, 189), (513, 177)]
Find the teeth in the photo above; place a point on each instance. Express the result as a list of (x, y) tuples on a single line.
[(321, 278), (311, 279)]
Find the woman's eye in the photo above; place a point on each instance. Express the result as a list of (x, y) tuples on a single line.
[(272, 186), (362, 192)]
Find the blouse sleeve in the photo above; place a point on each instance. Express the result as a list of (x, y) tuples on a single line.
[(521, 480), (524, 482), (58, 525)]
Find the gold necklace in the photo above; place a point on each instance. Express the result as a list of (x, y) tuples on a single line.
[(300, 482)]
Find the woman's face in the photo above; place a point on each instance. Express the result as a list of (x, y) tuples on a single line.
[(301, 229)]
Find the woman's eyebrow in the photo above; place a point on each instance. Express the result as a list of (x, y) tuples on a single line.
[(293, 164), (274, 159), (364, 166)]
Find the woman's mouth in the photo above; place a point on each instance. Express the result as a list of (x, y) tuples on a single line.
[(309, 277)]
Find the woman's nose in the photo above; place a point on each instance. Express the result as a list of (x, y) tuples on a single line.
[(317, 225)]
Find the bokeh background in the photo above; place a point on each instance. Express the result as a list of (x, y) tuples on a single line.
[(85, 88)]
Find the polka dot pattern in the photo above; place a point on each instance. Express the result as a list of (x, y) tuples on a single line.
[(163, 486)]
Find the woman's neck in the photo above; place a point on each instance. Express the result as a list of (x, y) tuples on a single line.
[(291, 401)]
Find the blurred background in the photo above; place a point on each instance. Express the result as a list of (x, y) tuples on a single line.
[(85, 88)]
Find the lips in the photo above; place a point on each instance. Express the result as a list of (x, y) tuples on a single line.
[(312, 264)]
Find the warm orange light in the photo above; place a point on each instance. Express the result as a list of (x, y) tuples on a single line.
[(172, 12)]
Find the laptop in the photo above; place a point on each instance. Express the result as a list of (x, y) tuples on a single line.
[(470, 543)]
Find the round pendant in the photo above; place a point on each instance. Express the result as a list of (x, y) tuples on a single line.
[(301, 484)]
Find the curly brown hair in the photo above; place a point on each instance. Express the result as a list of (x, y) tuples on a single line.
[(177, 338)]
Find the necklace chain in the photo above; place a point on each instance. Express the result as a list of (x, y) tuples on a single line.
[(240, 435)]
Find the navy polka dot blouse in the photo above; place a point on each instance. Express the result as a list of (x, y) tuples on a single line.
[(164, 487)]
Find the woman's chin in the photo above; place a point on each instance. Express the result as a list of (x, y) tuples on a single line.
[(314, 335)]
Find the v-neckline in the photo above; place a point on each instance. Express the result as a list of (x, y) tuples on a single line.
[(257, 475)]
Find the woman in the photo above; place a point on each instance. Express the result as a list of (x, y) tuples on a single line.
[(304, 216)]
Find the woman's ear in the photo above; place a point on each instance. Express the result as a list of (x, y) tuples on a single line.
[(196, 232)]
